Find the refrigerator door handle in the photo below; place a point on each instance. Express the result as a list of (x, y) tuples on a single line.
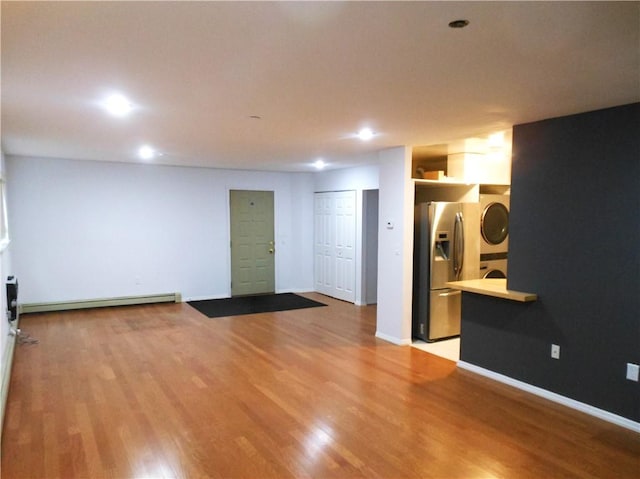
[(458, 246), (450, 293)]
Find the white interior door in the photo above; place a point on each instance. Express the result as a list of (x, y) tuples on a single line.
[(324, 234), (345, 225), (335, 237)]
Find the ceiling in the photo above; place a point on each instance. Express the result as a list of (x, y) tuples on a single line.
[(313, 72)]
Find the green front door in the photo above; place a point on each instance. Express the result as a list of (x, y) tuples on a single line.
[(252, 242)]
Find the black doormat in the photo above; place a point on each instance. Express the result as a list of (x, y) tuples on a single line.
[(266, 303)]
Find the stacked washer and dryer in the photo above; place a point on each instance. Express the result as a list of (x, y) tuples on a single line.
[(494, 232)]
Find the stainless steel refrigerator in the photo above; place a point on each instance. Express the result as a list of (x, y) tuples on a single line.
[(440, 235)]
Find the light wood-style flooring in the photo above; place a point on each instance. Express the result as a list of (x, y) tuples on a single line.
[(162, 391)]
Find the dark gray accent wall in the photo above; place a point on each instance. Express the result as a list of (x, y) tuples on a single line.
[(575, 241)]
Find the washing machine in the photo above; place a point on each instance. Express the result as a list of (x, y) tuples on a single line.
[(494, 224)]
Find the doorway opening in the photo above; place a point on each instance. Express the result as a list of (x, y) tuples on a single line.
[(369, 246)]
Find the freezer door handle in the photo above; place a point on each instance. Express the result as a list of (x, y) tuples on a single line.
[(450, 293), (458, 245)]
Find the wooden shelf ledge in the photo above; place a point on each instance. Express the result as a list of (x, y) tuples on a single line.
[(496, 287)]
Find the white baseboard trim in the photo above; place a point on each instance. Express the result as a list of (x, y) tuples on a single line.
[(295, 290), (551, 396), (225, 296), (7, 365), (206, 298), (393, 339), (100, 303)]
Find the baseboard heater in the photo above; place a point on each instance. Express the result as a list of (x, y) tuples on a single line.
[(99, 303), (7, 364)]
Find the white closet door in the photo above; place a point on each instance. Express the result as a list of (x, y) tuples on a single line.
[(335, 236), (323, 247), (345, 225)]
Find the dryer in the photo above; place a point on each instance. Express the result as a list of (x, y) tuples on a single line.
[(494, 224), (494, 268)]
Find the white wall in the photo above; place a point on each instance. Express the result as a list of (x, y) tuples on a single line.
[(83, 230), (4, 324), (298, 237), (395, 246), (5, 339), (357, 178)]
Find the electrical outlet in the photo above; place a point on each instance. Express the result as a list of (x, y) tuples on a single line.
[(555, 351), (633, 370)]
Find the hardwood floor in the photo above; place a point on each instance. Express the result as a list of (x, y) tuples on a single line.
[(162, 391)]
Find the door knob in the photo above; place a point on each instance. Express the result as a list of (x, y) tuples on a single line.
[(271, 250)]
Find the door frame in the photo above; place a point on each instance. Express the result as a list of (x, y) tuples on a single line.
[(228, 232)]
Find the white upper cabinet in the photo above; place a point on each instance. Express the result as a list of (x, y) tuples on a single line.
[(482, 160)]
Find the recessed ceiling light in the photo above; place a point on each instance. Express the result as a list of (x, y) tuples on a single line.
[(459, 23), (118, 105), (365, 134), (146, 152), (319, 164)]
